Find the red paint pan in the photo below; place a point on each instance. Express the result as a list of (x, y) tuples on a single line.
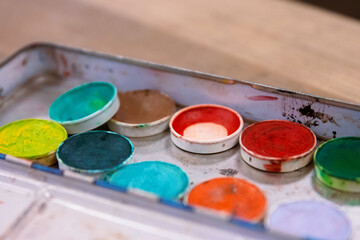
[(206, 128), (277, 145)]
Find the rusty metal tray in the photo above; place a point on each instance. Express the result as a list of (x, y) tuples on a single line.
[(34, 76)]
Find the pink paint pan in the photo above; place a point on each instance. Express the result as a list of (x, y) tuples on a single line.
[(206, 128)]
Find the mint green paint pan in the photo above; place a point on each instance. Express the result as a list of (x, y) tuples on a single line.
[(85, 107), (337, 163)]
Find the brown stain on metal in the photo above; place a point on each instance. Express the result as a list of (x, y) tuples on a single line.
[(349, 118), (307, 111), (262, 98), (63, 60), (24, 61)]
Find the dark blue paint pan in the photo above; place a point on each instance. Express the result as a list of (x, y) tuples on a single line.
[(94, 152)]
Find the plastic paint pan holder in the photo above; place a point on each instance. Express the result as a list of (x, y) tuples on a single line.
[(337, 164), (142, 113), (33, 139), (85, 107), (206, 128), (277, 145), (94, 152)]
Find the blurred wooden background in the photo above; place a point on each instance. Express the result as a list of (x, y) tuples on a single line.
[(281, 43)]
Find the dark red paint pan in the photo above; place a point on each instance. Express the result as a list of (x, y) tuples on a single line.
[(206, 128), (277, 145)]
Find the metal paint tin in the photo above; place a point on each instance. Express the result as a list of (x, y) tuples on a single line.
[(277, 145), (206, 128), (309, 219), (229, 195), (94, 152), (160, 178), (337, 163), (33, 139), (142, 113), (85, 107)]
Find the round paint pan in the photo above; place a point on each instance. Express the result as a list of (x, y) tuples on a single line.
[(34, 139), (160, 178), (277, 145), (309, 219), (85, 107), (142, 113), (337, 163), (206, 128), (234, 196), (94, 152)]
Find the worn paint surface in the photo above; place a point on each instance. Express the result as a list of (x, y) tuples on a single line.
[(163, 179), (82, 101), (205, 131), (278, 139), (95, 150), (231, 195), (31, 138), (310, 219)]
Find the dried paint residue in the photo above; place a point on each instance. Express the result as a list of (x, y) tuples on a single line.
[(231, 195), (277, 138), (31, 138), (262, 98), (205, 131)]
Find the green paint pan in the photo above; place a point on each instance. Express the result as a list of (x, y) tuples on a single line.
[(337, 163)]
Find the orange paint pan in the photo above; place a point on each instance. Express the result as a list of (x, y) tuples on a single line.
[(234, 196)]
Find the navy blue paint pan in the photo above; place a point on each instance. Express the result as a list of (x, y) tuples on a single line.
[(94, 152)]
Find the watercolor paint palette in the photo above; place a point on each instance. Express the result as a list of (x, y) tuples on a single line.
[(32, 78)]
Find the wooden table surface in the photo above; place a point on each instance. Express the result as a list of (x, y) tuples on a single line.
[(275, 42)]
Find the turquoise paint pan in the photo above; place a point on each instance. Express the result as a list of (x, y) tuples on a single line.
[(85, 107), (94, 152), (160, 178)]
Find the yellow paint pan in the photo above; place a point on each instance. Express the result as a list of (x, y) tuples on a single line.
[(33, 139)]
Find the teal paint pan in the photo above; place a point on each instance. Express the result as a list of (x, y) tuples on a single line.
[(160, 178), (85, 107)]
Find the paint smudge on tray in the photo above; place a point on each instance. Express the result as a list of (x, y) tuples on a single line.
[(308, 111), (228, 172), (262, 98), (274, 166)]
